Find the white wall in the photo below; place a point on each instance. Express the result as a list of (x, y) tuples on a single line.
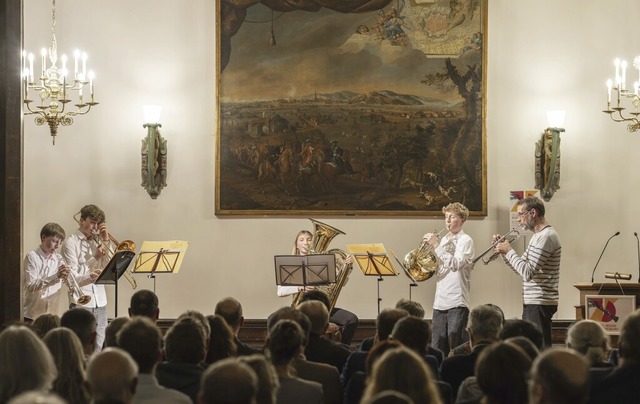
[(542, 55)]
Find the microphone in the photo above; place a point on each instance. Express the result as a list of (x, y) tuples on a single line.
[(602, 253), (638, 242)]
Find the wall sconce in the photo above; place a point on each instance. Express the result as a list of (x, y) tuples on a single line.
[(154, 153), (547, 157)]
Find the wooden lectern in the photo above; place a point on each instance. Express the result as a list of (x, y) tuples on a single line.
[(588, 288)]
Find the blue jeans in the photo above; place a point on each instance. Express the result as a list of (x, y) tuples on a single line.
[(540, 315), (448, 328)]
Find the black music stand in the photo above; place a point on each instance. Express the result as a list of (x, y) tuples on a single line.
[(160, 257), (413, 282), (305, 270), (114, 270), (373, 261)]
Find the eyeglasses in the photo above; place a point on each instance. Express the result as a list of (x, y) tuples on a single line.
[(526, 212)]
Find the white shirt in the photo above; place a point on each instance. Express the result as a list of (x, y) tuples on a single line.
[(41, 283), (288, 290), (454, 271), (78, 252)]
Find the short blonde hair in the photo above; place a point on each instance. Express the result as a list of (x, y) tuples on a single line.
[(458, 209)]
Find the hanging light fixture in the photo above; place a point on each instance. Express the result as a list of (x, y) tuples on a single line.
[(53, 85), (272, 37), (622, 93)]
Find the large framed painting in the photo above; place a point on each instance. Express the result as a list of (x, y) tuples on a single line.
[(359, 107)]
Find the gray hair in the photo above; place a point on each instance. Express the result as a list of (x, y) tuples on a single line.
[(589, 338), (485, 322)]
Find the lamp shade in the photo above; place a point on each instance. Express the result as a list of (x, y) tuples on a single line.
[(151, 113), (556, 118)]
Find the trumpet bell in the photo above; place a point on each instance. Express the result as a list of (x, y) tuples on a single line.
[(84, 299), (126, 245)]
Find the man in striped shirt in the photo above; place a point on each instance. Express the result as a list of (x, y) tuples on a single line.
[(539, 266)]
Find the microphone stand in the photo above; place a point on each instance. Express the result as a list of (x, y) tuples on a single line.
[(601, 254)]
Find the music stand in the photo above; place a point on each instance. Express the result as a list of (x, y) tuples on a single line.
[(305, 270), (413, 282), (114, 270), (373, 261), (160, 257)]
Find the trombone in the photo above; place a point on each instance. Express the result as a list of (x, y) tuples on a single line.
[(516, 233)]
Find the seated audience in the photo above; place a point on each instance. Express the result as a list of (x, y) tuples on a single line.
[(112, 377), (25, 363), (588, 338), (319, 348), (268, 384), (384, 324), (45, 322), (228, 381), (185, 352), (221, 342), (560, 375), (39, 397), (231, 310), (522, 328), (144, 303), (110, 333), (83, 323), (391, 397), (285, 343), (502, 372), (415, 333), (66, 350), (354, 388), (141, 338), (465, 348), (402, 370)]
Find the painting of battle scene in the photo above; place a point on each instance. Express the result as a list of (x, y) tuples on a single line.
[(363, 107)]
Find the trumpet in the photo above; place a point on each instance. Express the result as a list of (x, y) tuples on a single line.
[(422, 263), (73, 288), (515, 232)]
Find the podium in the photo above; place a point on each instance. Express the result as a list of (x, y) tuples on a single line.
[(612, 288)]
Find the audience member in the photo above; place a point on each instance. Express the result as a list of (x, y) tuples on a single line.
[(465, 348), (200, 318), (110, 334), (322, 373), (402, 370), (66, 350), (185, 352), (390, 397), (588, 338), (228, 381), (523, 328), (221, 342), (559, 376), (144, 303), (44, 323), (526, 345), (268, 384), (621, 385), (231, 310), (385, 321), (485, 323), (111, 376), (414, 333), (39, 397), (141, 338), (25, 363), (320, 349), (502, 370), (285, 343), (83, 323), (412, 307), (342, 323)]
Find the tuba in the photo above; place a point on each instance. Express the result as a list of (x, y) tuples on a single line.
[(322, 236), (422, 263)]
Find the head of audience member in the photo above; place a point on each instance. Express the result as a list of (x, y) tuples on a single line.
[(111, 332), (317, 295), (66, 350), (26, 363), (522, 328), (83, 323), (144, 303), (228, 381), (390, 397), (402, 370), (40, 397), (285, 343), (231, 310), (386, 320), (412, 332), (377, 351), (141, 338), (588, 338), (412, 307), (559, 375), (45, 322), (186, 341), (485, 323), (198, 316), (268, 383), (317, 313), (629, 344), (502, 371), (221, 342), (289, 313), (526, 345), (112, 376)]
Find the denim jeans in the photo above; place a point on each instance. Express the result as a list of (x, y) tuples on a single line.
[(540, 315), (448, 328)]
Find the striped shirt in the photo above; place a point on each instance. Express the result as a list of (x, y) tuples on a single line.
[(539, 267)]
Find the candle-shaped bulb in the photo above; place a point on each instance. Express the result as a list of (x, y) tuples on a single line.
[(623, 66), (609, 85), (76, 57), (91, 77), (84, 64), (43, 53)]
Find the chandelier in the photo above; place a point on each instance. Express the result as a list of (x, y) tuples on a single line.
[(621, 93), (53, 86)]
